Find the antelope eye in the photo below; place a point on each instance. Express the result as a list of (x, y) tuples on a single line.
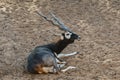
[(67, 34)]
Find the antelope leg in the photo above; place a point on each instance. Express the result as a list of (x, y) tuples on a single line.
[(66, 55), (66, 69)]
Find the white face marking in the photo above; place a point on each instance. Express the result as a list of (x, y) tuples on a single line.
[(68, 35)]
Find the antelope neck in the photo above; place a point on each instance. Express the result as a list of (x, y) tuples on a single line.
[(60, 45)]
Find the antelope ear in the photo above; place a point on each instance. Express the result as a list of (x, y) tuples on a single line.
[(62, 36)]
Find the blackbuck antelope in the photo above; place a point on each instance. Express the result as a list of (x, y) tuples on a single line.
[(46, 58)]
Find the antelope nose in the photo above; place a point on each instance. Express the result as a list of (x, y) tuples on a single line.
[(78, 38)]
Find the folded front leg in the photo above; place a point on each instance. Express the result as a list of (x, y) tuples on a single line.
[(66, 55), (66, 69)]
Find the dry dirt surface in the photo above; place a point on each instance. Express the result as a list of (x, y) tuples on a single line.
[(96, 21)]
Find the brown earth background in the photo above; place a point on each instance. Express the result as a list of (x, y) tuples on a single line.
[(96, 21)]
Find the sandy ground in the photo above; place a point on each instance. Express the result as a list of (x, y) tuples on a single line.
[(96, 21)]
